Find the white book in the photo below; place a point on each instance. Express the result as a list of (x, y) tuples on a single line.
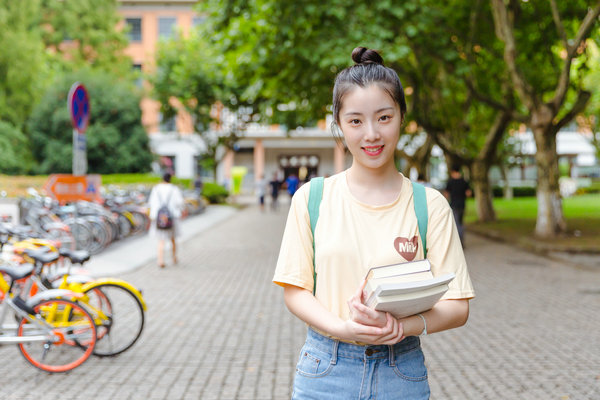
[(404, 305), (401, 272), (404, 298)]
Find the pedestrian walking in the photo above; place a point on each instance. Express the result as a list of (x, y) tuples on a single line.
[(353, 351), (198, 185), (261, 191), (457, 191), (292, 183), (275, 184), (166, 205)]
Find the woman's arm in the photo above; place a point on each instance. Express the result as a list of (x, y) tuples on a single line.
[(305, 306), (446, 314)]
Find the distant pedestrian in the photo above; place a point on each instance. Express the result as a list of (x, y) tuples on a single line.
[(457, 191), (261, 191), (275, 184), (198, 185), (421, 179), (292, 183), (165, 195)]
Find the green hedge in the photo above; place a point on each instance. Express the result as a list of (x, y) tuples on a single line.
[(518, 191), (214, 193), (141, 179)]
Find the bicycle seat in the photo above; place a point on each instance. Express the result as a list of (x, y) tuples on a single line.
[(76, 257), (42, 255), (19, 272)]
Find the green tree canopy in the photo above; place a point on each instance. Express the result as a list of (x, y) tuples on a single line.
[(116, 140), (14, 148), (22, 68), (84, 34)]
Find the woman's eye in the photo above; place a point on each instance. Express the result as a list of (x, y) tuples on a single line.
[(355, 122), (385, 118)]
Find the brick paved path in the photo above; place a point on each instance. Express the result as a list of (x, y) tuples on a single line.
[(217, 329)]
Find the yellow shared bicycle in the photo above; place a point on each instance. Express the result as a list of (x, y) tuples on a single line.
[(118, 308), (53, 334)]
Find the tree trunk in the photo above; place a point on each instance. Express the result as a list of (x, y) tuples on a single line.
[(507, 189), (550, 219), (482, 191)]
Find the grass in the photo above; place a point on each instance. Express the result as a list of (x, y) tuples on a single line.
[(516, 221)]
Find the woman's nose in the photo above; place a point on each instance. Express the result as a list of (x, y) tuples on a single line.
[(371, 132)]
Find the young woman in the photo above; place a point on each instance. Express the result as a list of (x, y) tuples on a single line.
[(166, 194), (353, 351)]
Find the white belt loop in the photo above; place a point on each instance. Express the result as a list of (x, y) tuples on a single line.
[(392, 356), (334, 354)]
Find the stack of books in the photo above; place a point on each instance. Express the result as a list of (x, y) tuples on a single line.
[(404, 289)]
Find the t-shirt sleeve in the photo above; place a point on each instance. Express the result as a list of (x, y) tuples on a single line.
[(295, 262), (444, 249)]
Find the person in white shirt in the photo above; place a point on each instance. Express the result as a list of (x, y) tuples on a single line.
[(165, 193)]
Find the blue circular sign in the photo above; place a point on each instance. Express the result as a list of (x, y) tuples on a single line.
[(79, 107)]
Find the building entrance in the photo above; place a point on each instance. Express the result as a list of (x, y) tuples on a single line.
[(303, 166)]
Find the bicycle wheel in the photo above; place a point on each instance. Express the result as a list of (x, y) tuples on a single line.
[(74, 331), (82, 234), (119, 317)]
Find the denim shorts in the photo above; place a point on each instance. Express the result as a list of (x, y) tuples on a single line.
[(331, 369)]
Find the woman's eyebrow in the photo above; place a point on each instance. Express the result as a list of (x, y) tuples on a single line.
[(349, 113)]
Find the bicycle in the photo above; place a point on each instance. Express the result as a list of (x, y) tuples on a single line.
[(53, 334), (117, 306)]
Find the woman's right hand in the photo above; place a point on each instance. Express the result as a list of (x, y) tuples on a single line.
[(368, 325), (362, 314)]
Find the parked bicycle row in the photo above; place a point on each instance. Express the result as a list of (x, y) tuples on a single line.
[(91, 226), (61, 315)]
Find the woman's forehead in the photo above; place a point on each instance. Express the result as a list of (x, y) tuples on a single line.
[(372, 97)]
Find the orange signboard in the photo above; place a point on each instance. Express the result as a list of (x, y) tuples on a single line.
[(68, 188)]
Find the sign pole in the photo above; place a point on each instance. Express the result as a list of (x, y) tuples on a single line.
[(79, 108), (75, 165)]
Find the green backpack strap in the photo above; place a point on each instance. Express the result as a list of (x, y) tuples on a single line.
[(314, 201), (420, 203)]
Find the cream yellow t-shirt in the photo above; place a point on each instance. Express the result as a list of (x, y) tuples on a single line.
[(351, 237)]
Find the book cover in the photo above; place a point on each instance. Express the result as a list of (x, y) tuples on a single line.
[(398, 269)]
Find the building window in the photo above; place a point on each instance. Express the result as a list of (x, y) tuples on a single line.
[(137, 71), (135, 29), (198, 20), (166, 27), (167, 125)]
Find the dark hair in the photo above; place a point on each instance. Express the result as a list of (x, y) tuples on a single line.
[(368, 70), (167, 177)]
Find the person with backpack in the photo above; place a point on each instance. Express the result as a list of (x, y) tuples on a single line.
[(368, 215), (166, 205)]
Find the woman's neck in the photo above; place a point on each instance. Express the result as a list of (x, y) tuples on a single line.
[(374, 187)]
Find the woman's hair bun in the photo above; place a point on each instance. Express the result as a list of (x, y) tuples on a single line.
[(362, 55)]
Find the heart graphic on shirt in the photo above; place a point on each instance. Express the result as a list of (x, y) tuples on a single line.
[(407, 248)]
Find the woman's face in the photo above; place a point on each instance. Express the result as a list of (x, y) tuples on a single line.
[(370, 121)]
